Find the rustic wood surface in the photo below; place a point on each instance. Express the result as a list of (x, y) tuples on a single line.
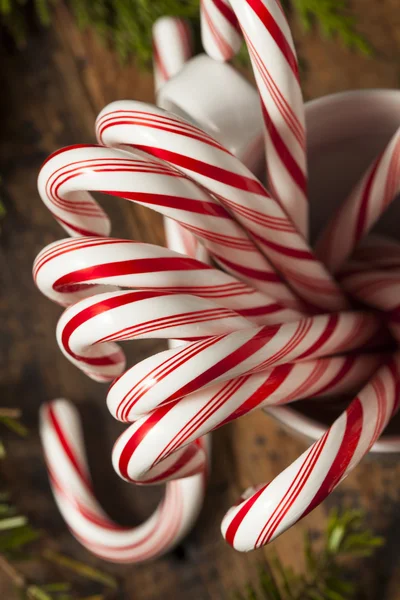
[(50, 95)]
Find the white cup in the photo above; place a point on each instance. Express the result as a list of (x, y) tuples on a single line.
[(215, 97), (345, 132)]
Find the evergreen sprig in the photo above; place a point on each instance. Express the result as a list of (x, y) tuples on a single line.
[(333, 19), (345, 538), (127, 23)]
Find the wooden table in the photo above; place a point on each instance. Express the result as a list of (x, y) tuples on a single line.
[(51, 93)]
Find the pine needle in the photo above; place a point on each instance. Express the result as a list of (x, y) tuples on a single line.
[(324, 577), (127, 24), (14, 425), (12, 523), (80, 568)]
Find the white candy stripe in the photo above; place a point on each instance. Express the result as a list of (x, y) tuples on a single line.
[(265, 513), (235, 187), (274, 62), (67, 175), (361, 210)]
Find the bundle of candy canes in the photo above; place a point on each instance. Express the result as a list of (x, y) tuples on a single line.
[(261, 319)]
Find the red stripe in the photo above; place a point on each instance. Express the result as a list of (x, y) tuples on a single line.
[(177, 320), (351, 437), (67, 448), (286, 250), (172, 129), (129, 267), (363, 210), (274, 380), (240, 515), (201, 207), (241, 182), (138, 436), (262, 337), (248, 272), (223, 46), (329, 330), (96, 309), (148, 119), (292, 493), (276, 33), (190, 427), (284, 153), (72, 245), (341, 374), (258, 311), (160, 372), (228, 13)]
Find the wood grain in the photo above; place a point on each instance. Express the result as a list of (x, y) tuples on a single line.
[(51, 94)]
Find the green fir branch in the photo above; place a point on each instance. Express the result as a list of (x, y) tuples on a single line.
[(333, 20), (127, 24), (323, 579)]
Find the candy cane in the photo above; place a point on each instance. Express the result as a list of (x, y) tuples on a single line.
[(220, 31), (69, 270), (67, 175), (253, 356), (361, 210), (88, 330), (68, 471), (273, 57), (245, 345), (172, 47), (187, 148), (374, 278), (264, 513)]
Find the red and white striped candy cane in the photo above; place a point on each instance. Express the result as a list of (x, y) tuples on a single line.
[(187, 148), (266, 512), (172, 47), (358, 213), (164, 444), (64, 451), (234, 376), (68, 270), (67, 174), (88, 330), (273, 57), (220, 31), (374, 279)]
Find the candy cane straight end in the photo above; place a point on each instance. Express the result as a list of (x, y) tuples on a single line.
[(268, 511)]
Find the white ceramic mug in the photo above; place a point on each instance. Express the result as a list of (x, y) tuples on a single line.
[(345, 132), (218, 99)]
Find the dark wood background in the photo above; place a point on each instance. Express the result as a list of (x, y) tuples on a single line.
[(50, 95)]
